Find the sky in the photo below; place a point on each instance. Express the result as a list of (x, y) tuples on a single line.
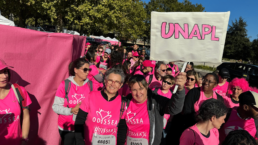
[(247, 9)]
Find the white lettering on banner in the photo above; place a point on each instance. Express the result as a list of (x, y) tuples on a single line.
[(104, 118), (131, 120), (78, 98), (6, 117), (188, 36), (137, 134)]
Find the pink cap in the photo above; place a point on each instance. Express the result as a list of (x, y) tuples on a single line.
[(87, 44), (3, 65), (135, 53), (147, 63)]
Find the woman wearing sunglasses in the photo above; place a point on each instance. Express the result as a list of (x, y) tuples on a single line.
[(236, 87), (145, 111), (192, 81), (68, 99), (101, 112), (193, 100)]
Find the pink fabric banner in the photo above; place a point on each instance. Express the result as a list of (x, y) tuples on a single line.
[(40, 62)]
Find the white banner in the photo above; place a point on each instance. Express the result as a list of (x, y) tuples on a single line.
[(188, 36)]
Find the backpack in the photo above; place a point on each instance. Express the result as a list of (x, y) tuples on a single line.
[(68, 86), (21, 99), (156, 91)]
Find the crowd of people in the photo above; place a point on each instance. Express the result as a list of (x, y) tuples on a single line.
[(117, 96)]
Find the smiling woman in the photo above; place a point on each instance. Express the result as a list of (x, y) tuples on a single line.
[(145, 110)]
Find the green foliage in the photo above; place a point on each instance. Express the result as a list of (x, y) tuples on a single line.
[(237, 45), (168, 6), (204, 67), (89, 16)]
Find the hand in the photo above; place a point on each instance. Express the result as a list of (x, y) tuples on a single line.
[(75, 110), (180, 80)]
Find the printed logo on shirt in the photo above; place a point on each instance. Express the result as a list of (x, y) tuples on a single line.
[(220, 92), (78, 98), (6, 116), (137, 134), (104, 118), (99, 130), (131, 120), (232, 128)]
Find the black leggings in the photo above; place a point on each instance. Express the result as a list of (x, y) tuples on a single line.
[(68, 137)]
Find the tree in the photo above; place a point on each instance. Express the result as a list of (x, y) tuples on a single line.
[(168, 6), (237, 45)]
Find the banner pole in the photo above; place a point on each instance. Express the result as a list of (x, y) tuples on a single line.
[(182, 70)]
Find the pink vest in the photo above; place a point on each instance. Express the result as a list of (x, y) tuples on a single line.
[(192, 136), (236, 123), (102, 120), (138, 123)]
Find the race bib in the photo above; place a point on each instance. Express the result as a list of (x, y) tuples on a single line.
[(136, 141), (103, 139), (103, 65)]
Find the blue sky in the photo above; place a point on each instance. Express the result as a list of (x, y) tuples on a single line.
[(247, 9)]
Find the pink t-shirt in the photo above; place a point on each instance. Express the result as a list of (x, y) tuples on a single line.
[(222, 90), (10, 125), (203, 98), (138, 123), (230, 103), (76, 95), (236, 123), (193, 136), (167, 95), (154, 83), (102, 119)]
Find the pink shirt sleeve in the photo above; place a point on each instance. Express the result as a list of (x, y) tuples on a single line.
[(26, 95), (61, 90), (187, 138), (97, 59)]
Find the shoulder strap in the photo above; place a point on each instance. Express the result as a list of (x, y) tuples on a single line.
[(91, 85), (150, 79), (156, 91), (194, 135), (67, 89), (19, 95), (228, 114)]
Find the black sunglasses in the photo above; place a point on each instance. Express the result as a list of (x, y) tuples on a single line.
[(190, 79), (86, 69), (164, 70), (167, 82)]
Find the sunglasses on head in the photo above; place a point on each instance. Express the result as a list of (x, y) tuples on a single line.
[(167, 82), (190, 79), (86, 69)]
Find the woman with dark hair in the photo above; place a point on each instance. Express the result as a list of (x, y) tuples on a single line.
[(116, 59), (210, 118), (145, 111), (90, 57), (14, 112), (101, 112), (189, 66), (239, 137), (193, 100), (68, 98)]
